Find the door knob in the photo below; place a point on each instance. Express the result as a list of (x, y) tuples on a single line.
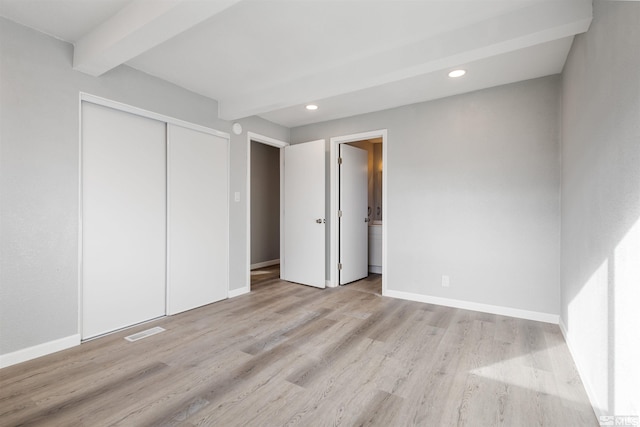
[(320, 220), (367, 220)]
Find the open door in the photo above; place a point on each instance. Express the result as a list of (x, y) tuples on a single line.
[(353, 218), (304, 214)]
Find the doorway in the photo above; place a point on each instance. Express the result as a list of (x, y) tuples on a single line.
[(265, 212), (302, 195), (375, 144), (264, 208)]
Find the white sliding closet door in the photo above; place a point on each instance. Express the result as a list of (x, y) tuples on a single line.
[(123, 219), (197, 219)]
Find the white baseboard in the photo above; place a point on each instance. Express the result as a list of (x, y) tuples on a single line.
[(597, 408), (468, 305), (237, 292), (265, 264), (377, 269), (39, 350), (330, 284)]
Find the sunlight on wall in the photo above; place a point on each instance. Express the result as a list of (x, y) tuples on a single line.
[(607, 313), (588, 311), (626, 324)]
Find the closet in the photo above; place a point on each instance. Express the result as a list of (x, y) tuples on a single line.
[(154, 218)]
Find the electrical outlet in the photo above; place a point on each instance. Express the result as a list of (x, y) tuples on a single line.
[(236, 196), (445, 281)]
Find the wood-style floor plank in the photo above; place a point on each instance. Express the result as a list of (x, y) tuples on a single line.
[(287, 354)]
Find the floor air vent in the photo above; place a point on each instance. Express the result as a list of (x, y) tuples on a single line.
[(144, 334)]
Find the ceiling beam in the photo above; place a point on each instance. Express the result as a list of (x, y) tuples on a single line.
[(540, 23), (138, 27)]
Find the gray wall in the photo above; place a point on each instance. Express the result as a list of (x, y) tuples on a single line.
[(39, 128), (265, 203), (473, 193), (601, 206)]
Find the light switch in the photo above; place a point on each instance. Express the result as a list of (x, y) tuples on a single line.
[(236, 196)]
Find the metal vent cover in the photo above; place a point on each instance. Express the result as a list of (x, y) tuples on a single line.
[(144, 334)]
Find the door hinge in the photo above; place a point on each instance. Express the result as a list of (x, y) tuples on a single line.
[(339, 266), (339, 160), (339, 214)]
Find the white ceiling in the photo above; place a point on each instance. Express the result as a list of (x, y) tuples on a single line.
[(272, 57), (67, 20)]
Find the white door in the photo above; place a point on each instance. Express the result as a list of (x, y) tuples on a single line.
[(304, 214), (123, 219), (197, 219), (353, 219)]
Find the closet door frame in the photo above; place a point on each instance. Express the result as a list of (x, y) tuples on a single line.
[(93, 99)]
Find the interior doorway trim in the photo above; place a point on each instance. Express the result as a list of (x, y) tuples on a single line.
[(334, 238), (280, 145)]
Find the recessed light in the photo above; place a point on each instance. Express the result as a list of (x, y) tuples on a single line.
[(457, 73), (311, 107)]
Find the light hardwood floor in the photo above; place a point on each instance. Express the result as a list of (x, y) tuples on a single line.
[(264, 274), (288, 354)]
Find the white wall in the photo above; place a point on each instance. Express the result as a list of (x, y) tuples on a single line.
[(601, 207), (473, 193), (39, 112)]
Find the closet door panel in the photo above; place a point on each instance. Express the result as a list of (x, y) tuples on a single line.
[(124, 219), (197, 272)]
